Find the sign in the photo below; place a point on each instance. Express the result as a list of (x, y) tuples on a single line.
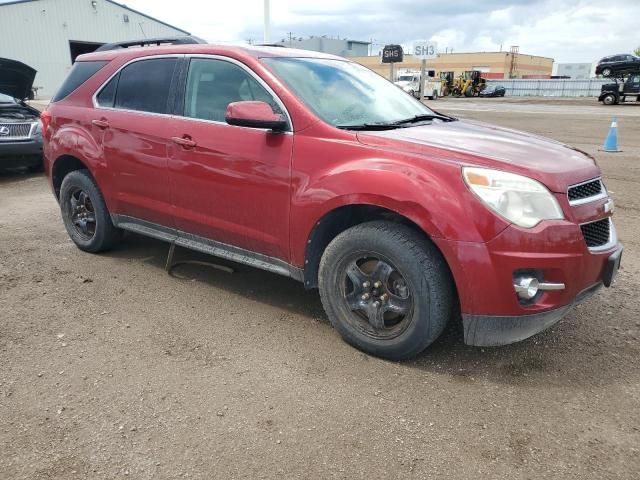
[(425, 50), (392, 54)]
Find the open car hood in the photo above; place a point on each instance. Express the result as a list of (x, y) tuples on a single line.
[(16, 78)]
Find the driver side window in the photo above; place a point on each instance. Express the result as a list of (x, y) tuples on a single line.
[(213, 84)]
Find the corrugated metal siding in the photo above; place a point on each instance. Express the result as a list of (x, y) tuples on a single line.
[(551, 88), (38, 33)]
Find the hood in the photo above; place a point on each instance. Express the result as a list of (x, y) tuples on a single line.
[(402, 83), (16, 78), (474, 143)]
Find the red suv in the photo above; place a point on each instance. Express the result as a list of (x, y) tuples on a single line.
[(314, 167)]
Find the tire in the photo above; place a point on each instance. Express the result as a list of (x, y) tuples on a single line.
[(435, 95), (468, 92), (80, 189), (609, 99), (418, 288), (606, 72)]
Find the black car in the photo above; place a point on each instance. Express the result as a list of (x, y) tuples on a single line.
[(618, 65), (493, 91), (20, 127)]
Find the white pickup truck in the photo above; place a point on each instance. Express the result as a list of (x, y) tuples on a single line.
[(409, 81)]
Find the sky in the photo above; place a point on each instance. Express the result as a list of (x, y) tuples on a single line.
[(566, 30)]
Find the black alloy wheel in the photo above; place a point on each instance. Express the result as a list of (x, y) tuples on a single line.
[(85, 213), (386, 288), (378, 296)]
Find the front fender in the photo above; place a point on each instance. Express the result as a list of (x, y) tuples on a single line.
[(432, 195)]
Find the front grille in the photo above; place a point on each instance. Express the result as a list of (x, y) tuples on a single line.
[(11, 131), (585, 190), (596, 234)]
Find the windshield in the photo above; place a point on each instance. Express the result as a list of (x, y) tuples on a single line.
[(405, 78), (344, 93)]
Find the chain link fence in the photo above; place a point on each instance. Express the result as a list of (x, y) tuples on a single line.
[(551, 88)]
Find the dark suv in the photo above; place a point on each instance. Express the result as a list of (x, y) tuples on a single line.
[(314, 167), (618, 65), (20, 128)]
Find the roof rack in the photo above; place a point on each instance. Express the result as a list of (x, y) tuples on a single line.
[(182, 40), (279, 45)]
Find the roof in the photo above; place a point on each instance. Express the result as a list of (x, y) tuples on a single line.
[(14, 2)]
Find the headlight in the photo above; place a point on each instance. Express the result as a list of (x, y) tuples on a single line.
[(37, 129), (518, 199)]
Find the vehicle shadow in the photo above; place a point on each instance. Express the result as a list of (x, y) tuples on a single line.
[(577, 351)]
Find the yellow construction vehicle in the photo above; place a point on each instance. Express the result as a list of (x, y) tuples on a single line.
[(469, 84), (446, 83)]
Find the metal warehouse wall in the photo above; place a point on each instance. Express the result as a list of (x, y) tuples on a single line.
[(552, 88), (38, 33)]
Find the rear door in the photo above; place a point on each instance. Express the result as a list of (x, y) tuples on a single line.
[(231, 184), (133, 122)]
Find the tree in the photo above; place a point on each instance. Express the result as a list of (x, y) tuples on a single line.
[(637, 51)]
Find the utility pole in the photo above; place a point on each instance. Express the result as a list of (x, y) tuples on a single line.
[(267, 21), (423, 77), (290, 37)]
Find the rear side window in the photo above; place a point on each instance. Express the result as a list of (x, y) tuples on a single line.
[(145, 85), (80, 73)]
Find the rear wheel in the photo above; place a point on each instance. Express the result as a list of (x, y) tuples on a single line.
[(386, 289), (606, 72), (85, 213)]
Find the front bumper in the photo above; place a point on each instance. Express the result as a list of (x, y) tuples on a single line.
[(484, 275), (491, 331), (31, 146)]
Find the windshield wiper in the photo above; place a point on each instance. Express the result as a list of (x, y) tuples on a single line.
[(399, 123), (371, 126), (425, 117)]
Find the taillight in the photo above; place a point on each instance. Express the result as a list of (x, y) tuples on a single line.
[(45, 118)]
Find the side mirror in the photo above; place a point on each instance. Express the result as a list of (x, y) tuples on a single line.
[(254, 114)]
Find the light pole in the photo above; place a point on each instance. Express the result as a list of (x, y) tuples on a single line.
[(266, 21)]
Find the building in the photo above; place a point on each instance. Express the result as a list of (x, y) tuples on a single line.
[(575, 71), (48, 34), (494, 65), (334, 46)]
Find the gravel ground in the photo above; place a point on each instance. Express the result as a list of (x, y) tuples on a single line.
[(111, 368)]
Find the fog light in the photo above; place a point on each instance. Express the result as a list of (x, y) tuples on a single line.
[(527, 287)]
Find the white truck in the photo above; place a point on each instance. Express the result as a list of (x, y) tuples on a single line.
[(409, 81)]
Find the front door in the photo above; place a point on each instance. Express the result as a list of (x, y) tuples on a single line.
[(632, 85), (229, 184)]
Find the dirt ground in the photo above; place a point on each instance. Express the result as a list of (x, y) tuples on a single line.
[(111, 368)]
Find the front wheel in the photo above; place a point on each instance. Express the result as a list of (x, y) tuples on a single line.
[(386, 289), (609, 99), (85, 213)]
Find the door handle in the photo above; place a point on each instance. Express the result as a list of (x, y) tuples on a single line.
[(100, 123), (185, 141)]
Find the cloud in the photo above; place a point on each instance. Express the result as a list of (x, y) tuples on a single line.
[(567, 30)]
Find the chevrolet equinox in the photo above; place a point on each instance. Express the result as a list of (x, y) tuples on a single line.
[(314, 167)]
